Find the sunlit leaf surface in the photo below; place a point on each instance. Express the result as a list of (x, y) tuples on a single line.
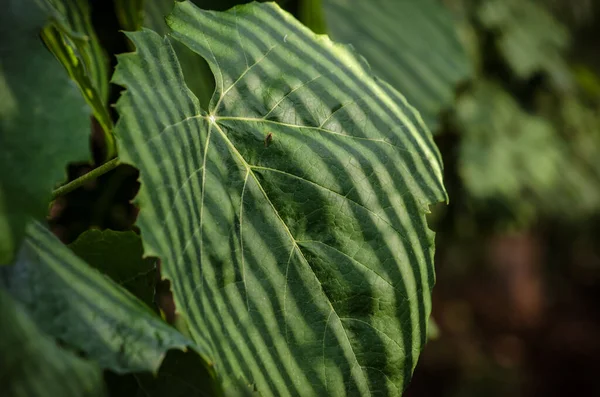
[(289, 216)]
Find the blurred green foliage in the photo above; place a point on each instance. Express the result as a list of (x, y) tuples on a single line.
[(527, 121)]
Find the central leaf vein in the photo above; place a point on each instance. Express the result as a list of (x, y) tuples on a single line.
[(309, 127), (242, 238)]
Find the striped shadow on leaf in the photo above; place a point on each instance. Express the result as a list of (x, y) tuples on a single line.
[(34, 365), (135, 14), (413, 45), (303, 265), (86, 310)]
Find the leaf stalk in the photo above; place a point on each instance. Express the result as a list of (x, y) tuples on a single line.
[(93, 174)]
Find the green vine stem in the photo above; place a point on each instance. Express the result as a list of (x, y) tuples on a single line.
[(311, 13), (93, 174)]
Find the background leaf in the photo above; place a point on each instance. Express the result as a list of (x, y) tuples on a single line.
[(312, 14), (77, 305), (529, 38), (34, 366), (119, 256), (413, 45), (304, 265), (495, 154), (182, 374), (521, 162), (39, 134)]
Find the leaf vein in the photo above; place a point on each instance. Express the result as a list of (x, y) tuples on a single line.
[(304, 84), (339, 194), (242, 239), (358, 262), (244, 73), (376, 329), (308, 127), (292, 238)]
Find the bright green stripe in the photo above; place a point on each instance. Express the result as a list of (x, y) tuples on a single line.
[(166, 120)]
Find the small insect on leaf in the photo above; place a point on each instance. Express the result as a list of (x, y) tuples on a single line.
[(268, 139)]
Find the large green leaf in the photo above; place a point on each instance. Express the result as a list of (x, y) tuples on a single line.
[(290, 217), (413, 45), (33, 365), (44, 121), (79, 306)]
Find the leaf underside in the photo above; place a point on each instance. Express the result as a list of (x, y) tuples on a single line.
[(302, 261), (73, 41)]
